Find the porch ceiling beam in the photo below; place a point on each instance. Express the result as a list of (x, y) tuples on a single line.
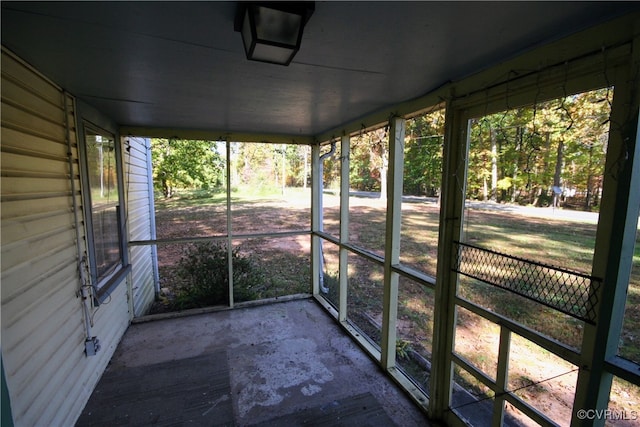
[(215, 135)]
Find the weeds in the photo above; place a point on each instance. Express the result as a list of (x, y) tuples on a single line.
[(403, 347), (203, 272)]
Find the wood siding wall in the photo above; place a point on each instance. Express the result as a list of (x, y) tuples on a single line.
[(48, 375), (140, 209)]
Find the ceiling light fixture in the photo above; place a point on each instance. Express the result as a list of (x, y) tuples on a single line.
[(272, 31)]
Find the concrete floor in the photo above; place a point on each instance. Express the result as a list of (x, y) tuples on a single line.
[(283, 359)]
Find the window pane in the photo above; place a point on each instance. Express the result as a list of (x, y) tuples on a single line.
[(330, 272), (330, 191), (192, 275), (189, 179), (533, 191), (421, 191), (271, 267), (103, 182), (624, 404), (477, 340), (542, 379), (513, 414), (368, 164), (364, 297), (269, 191), (414, 331), (470, 399), (629, 346), (105, 239)]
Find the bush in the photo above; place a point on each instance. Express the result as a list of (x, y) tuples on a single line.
[(204, 275)]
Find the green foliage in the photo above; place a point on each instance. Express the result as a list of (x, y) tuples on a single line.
[(423, 154), (505, 183), (517, 155), (186, 164), (367, 160), (204, 274), (262, 169), (403, 347)]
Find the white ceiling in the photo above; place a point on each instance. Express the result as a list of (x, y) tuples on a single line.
[(181, 65)]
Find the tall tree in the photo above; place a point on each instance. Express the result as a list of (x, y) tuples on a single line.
[(517, 147), (189, 164), (423, 154)]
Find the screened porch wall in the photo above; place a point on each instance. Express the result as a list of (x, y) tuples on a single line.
[(573, 73), (334, 269)]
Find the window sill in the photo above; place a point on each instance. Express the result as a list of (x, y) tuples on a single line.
[(111, 284)]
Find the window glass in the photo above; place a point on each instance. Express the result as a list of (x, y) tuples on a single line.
[(368, 165), (269, 191), (189, 179), (624, 404), (414, 331), (533, 191), (105, 203), (330, 272), (330, 190), (364, 297), (629, 345), (421, 191)]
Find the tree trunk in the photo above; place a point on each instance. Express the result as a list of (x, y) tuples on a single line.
[(494, 165), (167, 191), (383, 173), (514, 193), (485, 189), (306, 167), (542, 181), (587, 200), (558, 173)]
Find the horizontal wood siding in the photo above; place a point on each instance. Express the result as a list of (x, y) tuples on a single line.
[(139, 211), (48, 375)]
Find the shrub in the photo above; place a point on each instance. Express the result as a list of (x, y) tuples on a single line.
[(204, 275)]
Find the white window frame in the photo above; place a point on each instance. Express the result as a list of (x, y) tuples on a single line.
[(103, 283)]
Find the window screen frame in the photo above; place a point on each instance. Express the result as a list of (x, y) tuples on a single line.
[(104, 284)]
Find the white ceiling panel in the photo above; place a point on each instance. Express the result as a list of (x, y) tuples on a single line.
[(181, 65)]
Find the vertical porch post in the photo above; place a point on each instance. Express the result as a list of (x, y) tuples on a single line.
[(229, 228), (152, 218), (502, 380), (615, 241), (392, 242), (316, 184), (344, 227), (451, 213)]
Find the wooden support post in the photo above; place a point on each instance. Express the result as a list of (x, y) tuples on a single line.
[(316, 184), (344, 228), (450, 229), (502, 377), (615, 241), (392, 241), (229, 227)]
